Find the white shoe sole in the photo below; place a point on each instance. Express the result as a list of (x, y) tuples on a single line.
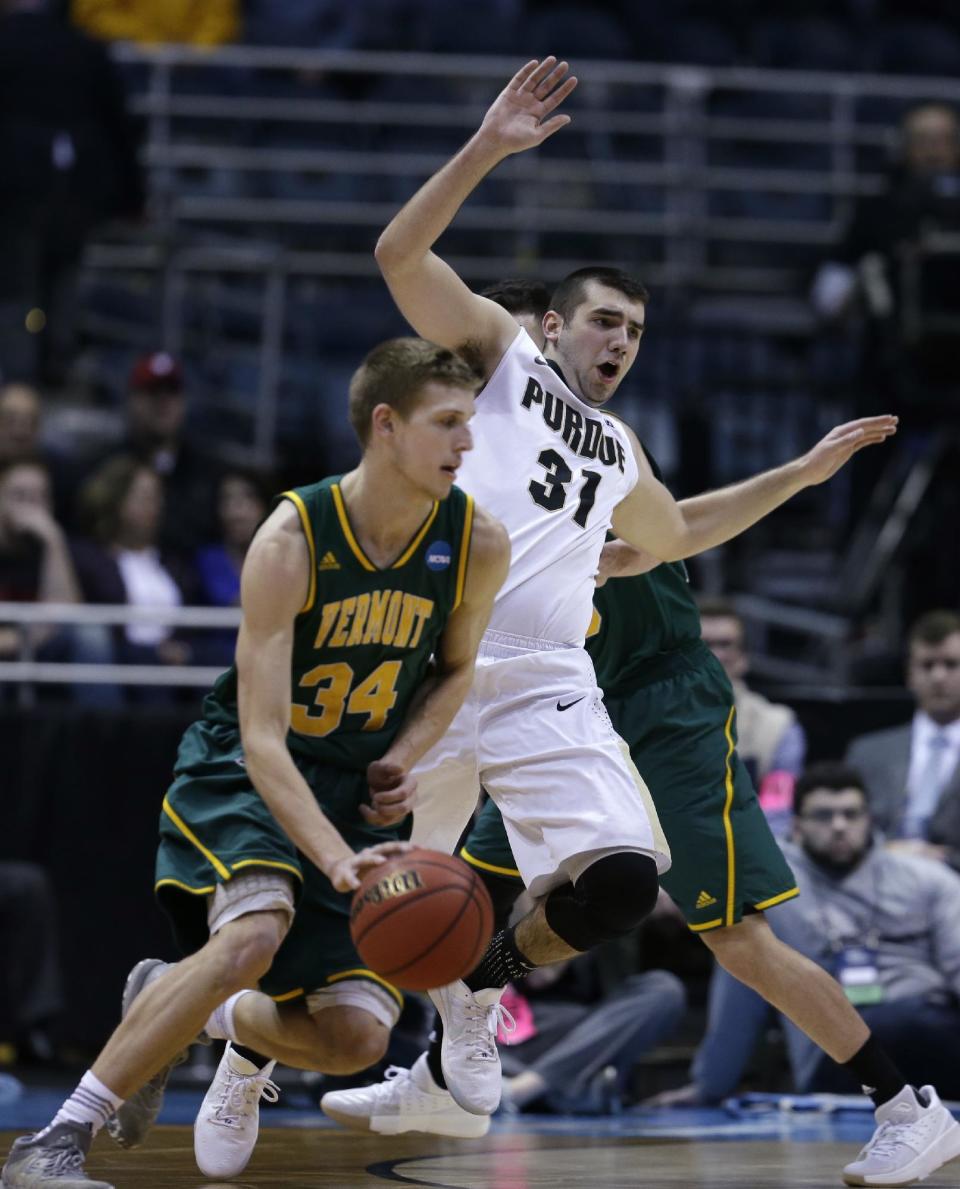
[(946, 1148), (475, 1128)]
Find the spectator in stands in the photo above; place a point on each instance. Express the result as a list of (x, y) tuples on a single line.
[(901, 362), (20, 438), (243, 500), (772, 743), (156, 434), (36, 567), (19, 422), (35, 563), (157, 22), (31, 994), (68, 162), (122, 562), (886, 923), (909, 363), (913, 771), (577, 1037)]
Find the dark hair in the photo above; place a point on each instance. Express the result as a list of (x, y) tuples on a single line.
[(27, 460), (395, 374), (103, 494), (933, 628), (258, 481), (714, 608), (571, 292), (829, 774), (519, 296)]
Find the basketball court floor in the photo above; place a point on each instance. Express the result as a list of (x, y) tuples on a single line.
[(750, 1145)]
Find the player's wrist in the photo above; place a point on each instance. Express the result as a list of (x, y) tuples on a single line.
[(486, 148)]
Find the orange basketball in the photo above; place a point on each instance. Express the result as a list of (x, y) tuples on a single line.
[(421, 920)]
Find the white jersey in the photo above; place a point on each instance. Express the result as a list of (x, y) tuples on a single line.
[(551, 468)]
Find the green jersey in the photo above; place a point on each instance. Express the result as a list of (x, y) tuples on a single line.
[(637, 620), (364, 637)]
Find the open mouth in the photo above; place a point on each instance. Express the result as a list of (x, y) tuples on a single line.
[(608, 370), (449, 470)]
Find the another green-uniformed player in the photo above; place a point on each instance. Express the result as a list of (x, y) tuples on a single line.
[(296, 780)]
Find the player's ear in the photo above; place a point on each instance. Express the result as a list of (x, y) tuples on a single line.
[(552, 325), (383, 420)]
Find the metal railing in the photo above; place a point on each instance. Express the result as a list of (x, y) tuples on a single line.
[(656, 172), (27, 670)]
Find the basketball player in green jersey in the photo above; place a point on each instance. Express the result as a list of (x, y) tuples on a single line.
[(670, 700), (296, 780)]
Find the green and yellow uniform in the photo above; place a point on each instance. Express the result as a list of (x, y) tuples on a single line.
[(362, 645), (671, 701)]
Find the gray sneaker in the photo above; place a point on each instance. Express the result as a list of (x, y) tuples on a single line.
[(54, 1157), (134, 1118)]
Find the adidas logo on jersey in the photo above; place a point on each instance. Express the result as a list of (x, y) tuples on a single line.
[(704, 900), (328, 562)]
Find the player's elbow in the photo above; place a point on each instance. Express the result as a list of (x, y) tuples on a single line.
[(261, 752), (388, 253)]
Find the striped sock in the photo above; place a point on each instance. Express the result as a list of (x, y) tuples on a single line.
[(90, 1103)]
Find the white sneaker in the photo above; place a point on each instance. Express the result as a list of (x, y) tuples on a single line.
[(409, 1100), (911, 1141), (226, 1129), (468, 1052)]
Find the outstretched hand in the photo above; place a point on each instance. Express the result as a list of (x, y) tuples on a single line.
[(841, 443), (517, 118)]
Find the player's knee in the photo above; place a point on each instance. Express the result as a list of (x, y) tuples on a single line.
[(619, 891), (348, 1040), (609, 899), (241, 957)]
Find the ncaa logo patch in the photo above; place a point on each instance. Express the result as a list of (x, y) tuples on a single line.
[(439, 555)]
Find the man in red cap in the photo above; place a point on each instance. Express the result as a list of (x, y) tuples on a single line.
[(156, 411)]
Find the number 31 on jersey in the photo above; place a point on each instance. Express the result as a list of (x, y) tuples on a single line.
[(552, 494)]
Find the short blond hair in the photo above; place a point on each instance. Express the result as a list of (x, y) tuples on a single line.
[(395, 374)]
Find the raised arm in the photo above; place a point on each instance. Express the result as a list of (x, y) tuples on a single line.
[(273, 590), (442, 695), (429, 294), (651, 520)]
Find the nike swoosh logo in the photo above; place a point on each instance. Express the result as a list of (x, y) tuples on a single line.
[(560, 706)]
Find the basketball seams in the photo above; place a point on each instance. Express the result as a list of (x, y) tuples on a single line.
[(437, 941), (400, 905), (458, 879)]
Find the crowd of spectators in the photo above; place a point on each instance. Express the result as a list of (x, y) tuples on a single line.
[(149, 521)]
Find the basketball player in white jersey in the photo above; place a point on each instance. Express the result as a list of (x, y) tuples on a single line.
[(559, 473)]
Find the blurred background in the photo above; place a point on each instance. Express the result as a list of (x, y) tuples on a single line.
[(190, 194)]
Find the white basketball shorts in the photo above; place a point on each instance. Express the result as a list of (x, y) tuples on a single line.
[(534, 732)]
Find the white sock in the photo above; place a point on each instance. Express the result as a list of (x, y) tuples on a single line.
[(220, 1026), (92, 1103)]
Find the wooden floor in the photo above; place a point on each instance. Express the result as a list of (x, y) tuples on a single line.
[(308, 1158)]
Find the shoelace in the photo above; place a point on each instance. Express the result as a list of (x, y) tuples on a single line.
[(396, 1080), (57, 1161), (887, 1138), (241, 1094), (481, 1025)]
